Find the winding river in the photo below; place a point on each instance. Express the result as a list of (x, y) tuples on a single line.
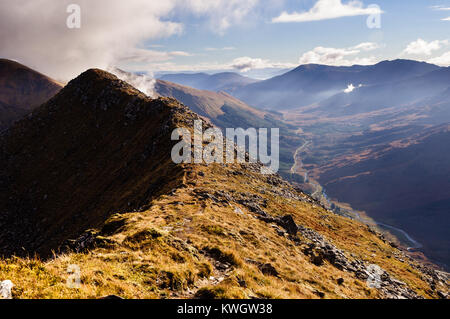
[(411, 242)]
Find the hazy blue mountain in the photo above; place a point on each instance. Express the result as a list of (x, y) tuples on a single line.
[(308, 84), (424, 90)]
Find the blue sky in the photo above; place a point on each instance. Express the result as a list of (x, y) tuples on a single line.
[(247, 36), (257, 37)]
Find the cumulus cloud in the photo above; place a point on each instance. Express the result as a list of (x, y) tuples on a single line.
[(109, 31), (245, 64), (328, 9), (443, 60), (446, 19), (339, 56), (422, 47), (35, 32)]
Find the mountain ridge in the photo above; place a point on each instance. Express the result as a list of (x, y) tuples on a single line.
[(140, 226), (308, 84), (78, 107)]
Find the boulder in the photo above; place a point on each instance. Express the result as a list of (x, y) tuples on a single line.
[(288, 223), (5, 289)]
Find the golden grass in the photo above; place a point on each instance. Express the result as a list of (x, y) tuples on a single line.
[(171, 250)]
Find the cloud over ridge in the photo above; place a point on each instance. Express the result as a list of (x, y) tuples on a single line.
[(35, 32), (422, 47), (339, 56)]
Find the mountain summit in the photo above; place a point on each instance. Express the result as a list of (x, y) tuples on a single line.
[(87, 179)]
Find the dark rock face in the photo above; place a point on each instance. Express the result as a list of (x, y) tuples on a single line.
[(442, 294), (287, 222), (321, 250)]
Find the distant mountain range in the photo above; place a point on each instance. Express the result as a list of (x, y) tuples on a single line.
[(373, 135), (348, 117), (417, 91), (309, 84)]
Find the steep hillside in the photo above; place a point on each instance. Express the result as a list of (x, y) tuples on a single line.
[(312, 83), (218, 106), (21, 90), (89, 176), (226, 111), (225, 81), (86, 153)]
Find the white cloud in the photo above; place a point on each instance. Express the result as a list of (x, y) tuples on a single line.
[(245, 64), (35, 32), (350, 88), (179, 53), (440, 8), (339, 56), (110, 31), (328, 9), (443, 60), (143, 82), (422, 47), (366, 46)]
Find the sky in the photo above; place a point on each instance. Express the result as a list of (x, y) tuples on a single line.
[(244, 36)]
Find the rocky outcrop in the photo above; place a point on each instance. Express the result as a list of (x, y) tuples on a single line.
[(5, 289)]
